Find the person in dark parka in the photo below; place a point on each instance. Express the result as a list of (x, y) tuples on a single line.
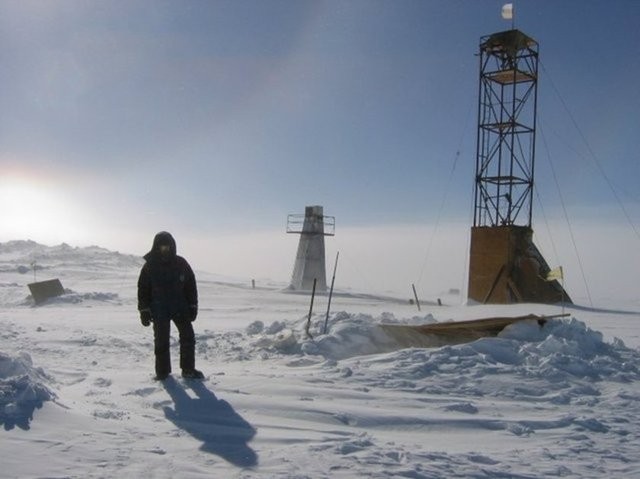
[(167, 292)]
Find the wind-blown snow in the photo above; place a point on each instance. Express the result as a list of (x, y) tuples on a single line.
[(77, 398)]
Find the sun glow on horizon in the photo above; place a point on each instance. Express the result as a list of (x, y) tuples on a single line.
[(37, 209)]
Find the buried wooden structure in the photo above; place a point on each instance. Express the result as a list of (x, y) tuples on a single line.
[(44, 290), (456, 332), (506, 267)]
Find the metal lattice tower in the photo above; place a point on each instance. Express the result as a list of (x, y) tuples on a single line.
[(506, 129), (505, 266)]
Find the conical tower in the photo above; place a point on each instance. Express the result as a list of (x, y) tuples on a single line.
[(312, 227), (505, 266)]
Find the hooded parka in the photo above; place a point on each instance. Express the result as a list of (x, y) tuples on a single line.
[(167, 290), (167, 285)]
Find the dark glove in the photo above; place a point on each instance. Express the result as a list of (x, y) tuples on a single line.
[(193, 312), (145, 317)]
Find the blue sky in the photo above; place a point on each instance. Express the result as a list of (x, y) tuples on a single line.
[(218, 118)]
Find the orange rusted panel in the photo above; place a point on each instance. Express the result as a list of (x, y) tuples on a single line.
[(506, 267)]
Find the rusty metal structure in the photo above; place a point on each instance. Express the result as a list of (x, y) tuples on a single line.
[(505, 266), (506, 129)]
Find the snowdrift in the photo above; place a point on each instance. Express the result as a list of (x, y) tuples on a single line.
[(22, 390)]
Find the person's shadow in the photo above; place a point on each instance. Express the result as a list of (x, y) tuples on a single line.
[(213, 421)]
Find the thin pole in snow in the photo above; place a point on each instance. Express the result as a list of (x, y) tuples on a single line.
[(415, 295), (313, 294), (562, 286), (333, 279)]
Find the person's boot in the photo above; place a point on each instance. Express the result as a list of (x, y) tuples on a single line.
[(192, 374)]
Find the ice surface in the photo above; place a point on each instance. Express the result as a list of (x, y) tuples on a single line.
[(77, 398)]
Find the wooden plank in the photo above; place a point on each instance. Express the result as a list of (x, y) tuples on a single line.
[(43, 290), (494, 284), (514, 289), (507, 77), (455, 332)]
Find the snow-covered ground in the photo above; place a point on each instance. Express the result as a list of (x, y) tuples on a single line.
[(77, 398)]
